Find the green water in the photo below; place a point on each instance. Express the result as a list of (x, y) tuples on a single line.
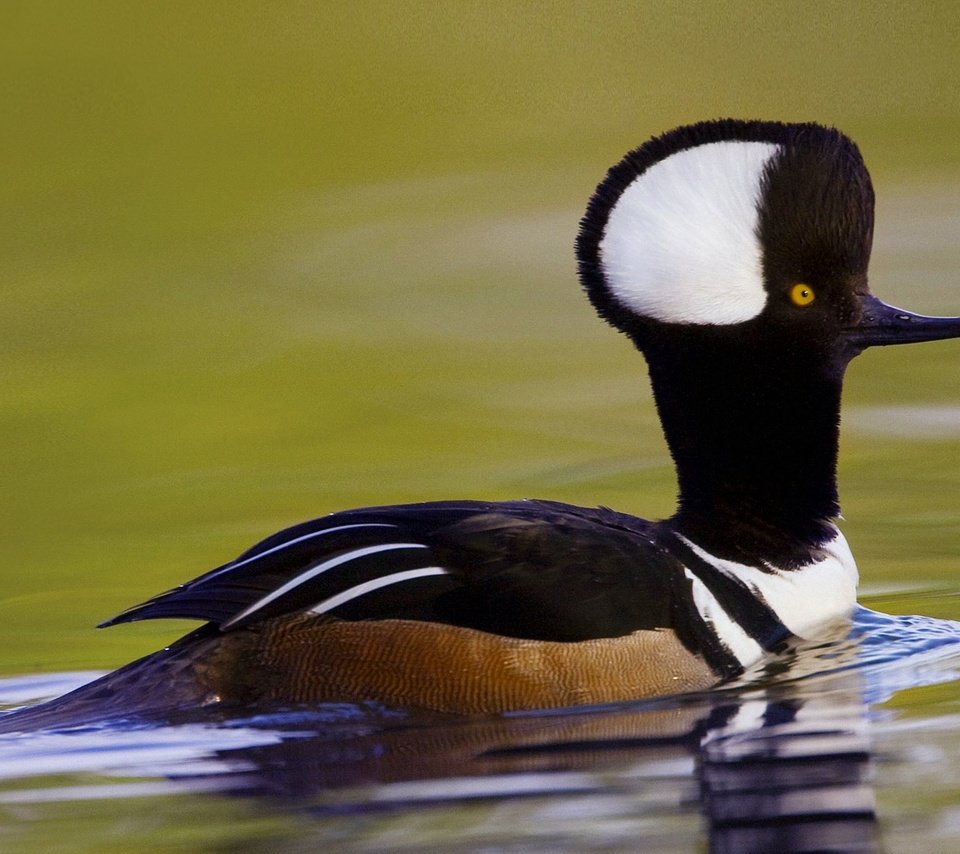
[(264, 261)]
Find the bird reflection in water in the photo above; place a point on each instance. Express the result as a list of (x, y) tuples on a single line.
[(769, 767)]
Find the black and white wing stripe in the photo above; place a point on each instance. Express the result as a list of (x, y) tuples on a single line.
[(318, 566), (355, 565), (530, 569)]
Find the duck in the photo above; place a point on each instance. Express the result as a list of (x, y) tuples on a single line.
[(734, 255)]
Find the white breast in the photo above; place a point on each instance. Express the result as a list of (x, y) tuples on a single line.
[(804, 599)]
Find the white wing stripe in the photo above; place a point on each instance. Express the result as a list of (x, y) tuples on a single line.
[(238, 563), (374, 584), (316, 570)]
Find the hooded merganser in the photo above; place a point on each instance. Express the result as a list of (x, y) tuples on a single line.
[(734, 255)]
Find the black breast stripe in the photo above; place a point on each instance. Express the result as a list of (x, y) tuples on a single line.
[(694, 632), (753, 615)]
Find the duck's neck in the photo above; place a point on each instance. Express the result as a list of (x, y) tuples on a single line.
[(755, 446)]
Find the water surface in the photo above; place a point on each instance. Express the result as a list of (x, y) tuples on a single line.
[(262, 265), (506, 392), (820, 749)]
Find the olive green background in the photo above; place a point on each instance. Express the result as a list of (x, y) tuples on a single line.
[(263, 261)]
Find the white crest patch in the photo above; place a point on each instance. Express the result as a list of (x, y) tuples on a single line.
[(680, 243)]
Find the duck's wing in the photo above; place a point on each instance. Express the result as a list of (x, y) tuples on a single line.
[(529, 569)]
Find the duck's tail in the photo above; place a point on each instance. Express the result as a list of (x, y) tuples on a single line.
[(176, 678)]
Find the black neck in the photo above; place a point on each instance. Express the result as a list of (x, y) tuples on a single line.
[(754, 435)]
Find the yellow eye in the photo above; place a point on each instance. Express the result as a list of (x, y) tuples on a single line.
[(802, 295)]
